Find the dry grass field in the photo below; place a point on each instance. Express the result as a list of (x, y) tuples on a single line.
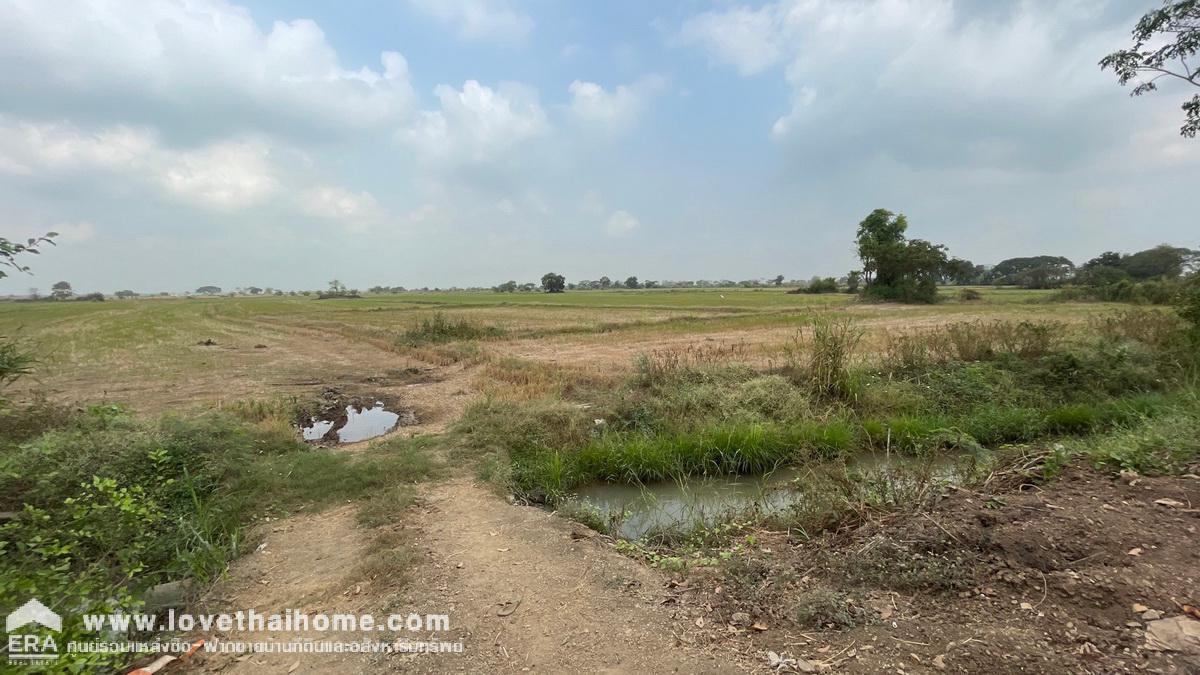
[(854, 487)]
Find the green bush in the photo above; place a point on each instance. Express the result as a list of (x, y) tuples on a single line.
[(439, 328), (15, 360)]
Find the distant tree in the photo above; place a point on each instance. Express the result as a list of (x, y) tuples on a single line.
[(778, 280), (1161, 262), (34, 294), (336, 287), (895, 267), (1042, 271), (1163, 41), (254, 290), (553, 283), (605, 282), (208, 290), (61, 291), (632, 282), (1106, 259), (650, 283), (853, 281), (960, 272), (507, 287), (125, 294), (1101, 275), (822, 285), (9, 250), (880, 239)]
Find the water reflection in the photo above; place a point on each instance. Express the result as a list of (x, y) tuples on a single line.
[(356, 423)]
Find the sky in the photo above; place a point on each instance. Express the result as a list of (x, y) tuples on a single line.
[(285, 143)]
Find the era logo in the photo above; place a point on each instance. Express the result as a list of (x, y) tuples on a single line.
[(32, 648)]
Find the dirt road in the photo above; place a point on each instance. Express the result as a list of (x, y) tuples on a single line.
[(524, 590)]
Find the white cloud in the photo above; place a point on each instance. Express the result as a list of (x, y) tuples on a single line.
[(357, 211), (27, 148), (748, 39), (223, 175), (476, 124), (928, 80), (615, 110), (194, 65), (227, 175), (491, 20), (620, 224)]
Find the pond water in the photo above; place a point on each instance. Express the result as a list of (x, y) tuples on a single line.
[(637, 510), (356, 423)]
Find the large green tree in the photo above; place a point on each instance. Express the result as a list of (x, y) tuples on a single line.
[(1161, 262), (895, 267), (553, 283), (1164, 40)]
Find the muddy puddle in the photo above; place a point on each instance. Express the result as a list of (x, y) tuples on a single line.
[(634, 511), (354, 422)]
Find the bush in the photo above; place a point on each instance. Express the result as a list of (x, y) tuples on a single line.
[(15, 360), (1189, 305), (819, 285), (833, 345), (439, 328), (970, 341)]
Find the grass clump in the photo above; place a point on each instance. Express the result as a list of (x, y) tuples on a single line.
[(440, 328), (16, 360), (970, 341), (1167, 444), (827, 370), (823, 607)]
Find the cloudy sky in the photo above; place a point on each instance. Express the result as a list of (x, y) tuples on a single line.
[(177, 143)]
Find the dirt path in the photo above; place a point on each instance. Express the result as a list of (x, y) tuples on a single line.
[(579, 605), (304, 563), (583, 607)]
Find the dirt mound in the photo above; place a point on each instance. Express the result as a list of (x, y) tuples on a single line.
[(1060, 577)]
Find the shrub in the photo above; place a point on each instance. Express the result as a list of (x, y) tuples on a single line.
[(439, 328), (15, 360), (1189, 305), (819, 285), (971, 341), (833, 345), (1152, 327)]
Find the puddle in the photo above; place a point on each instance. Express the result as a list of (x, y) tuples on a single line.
[(356, 423), (638, 510)]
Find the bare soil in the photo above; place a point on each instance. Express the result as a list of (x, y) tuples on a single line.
[(579, 605), (1042, 579)]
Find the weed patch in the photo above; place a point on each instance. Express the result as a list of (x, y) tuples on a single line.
[(440, 328)]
